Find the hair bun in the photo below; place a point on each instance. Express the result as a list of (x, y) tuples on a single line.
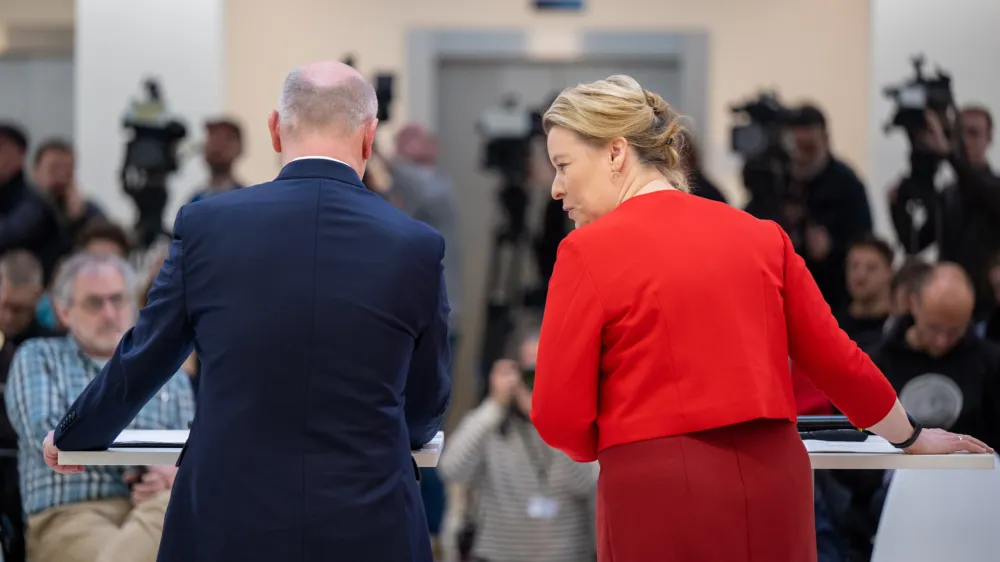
[(660, 107)]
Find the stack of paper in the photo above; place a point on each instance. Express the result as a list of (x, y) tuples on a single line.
[(873, 445)]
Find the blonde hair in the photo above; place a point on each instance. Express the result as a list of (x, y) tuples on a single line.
[(619, 107)]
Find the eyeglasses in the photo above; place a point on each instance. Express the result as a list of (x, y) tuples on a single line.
[(95, 303)]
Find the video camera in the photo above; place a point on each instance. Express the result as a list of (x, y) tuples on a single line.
[(509, 130), (760, 127), (917, 95), (150, 156), (155, 134)]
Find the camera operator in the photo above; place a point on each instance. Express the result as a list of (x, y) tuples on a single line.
[(823, 208), (532, 503), (964, 218)]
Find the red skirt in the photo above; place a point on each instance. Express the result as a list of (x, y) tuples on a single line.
[(741, 493)]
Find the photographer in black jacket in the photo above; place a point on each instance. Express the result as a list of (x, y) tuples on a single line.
[(825, 206), (964, 218)]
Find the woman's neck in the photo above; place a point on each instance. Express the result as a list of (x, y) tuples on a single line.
[(641, 184)]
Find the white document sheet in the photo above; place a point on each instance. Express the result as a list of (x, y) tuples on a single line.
[(873, 445), (152, 437)]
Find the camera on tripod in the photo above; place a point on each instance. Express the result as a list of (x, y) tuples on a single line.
[(509, 130), (914, 97), (150, 156), (155, 134), (760, 126)]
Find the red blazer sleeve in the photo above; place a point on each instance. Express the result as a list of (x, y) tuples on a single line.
[(809, 401), (564, 400), (825, 354)]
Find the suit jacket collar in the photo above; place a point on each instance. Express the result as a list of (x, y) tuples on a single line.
[(318, 167)]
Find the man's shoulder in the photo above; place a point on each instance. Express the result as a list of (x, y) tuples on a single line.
[(40, 354), (843, 172), (43, 346)]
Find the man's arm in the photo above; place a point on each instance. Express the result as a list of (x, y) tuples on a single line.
[(148, 355), (428, 384)]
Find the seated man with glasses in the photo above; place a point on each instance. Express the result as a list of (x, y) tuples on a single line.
[(104, 513)]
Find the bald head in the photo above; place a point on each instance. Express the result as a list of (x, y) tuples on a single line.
[(415, 143), (327, 109), (947, 284), (324, 96), (942, 307)]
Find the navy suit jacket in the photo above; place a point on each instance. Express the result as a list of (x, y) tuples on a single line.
[(319, 315)]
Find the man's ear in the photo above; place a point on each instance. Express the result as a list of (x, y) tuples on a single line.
[(369, 140), (273, 126), (62, 313)]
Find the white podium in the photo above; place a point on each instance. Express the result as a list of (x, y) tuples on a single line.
[(876, 453), (162, 447), (138, 447)]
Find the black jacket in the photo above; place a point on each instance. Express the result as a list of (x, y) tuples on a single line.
[(964, 221), (922, 381), (836, 200), (27, 221)]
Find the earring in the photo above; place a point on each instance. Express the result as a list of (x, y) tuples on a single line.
[(615, 176)]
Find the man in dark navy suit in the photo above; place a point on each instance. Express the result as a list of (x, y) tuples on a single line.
[(319, 315)]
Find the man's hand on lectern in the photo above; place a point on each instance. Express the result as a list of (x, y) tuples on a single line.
[(51, 454)]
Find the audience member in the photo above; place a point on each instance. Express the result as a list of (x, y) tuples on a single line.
[(98, 236), (104, 238), (946, 376), (869, 279), (54, 176), (824, 207), (425, 193), (20, 288), (26, 220), (990, 328), (964, 218), (223, 147), (103, 514), (532, 503), (903, 283)]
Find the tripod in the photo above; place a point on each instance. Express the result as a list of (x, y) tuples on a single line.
[(503, 282), (149, 192)]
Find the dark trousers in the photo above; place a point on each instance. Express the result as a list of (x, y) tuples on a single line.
[(11, 511)]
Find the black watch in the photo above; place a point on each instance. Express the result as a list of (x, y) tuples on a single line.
[(917, 428)]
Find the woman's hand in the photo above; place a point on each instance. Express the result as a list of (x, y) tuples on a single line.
[(941, 442)]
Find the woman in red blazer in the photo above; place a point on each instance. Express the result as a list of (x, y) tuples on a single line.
[(664, 350)]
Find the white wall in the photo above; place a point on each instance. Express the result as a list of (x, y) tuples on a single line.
[(960, 36), (37, 93), (118, 44)]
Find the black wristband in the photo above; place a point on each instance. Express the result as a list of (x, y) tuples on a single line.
[(917, 428)]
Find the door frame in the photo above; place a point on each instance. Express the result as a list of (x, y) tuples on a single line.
[(427, 48)]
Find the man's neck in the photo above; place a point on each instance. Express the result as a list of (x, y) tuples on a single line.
[(221, 178), (323, 147), (876, 307)]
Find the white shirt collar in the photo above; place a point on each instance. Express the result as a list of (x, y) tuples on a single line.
[(320, 158)]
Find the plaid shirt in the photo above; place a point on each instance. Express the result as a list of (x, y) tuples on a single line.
[(46, 375)]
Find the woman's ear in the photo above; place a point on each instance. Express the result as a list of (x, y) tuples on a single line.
[(618, 147)]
